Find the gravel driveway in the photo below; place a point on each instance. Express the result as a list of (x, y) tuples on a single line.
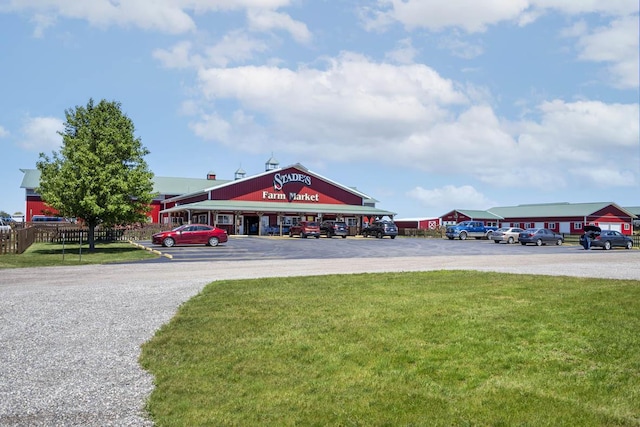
[(70, 336)]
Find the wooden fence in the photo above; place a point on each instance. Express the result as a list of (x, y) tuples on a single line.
[(18, 240)]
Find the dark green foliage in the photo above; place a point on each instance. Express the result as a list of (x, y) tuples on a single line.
[(99, 175)]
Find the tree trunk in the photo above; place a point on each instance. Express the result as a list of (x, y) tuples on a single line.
[(91, 237)]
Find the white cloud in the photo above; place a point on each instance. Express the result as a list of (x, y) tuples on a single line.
[(41, 134), (233, 48), (461, 48), (170, 16), (267, 20), (616, 44), (352, 100), (577, 7), (450, 195), (475, 16), (404, 53), (3, 132), (469, 16), (420, 121), (178, 56)]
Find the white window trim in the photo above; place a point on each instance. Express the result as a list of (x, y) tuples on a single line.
[(224, 220)]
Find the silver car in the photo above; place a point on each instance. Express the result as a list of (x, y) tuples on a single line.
[(506, 234)]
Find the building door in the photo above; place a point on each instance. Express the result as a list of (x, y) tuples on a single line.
[(251, 225)]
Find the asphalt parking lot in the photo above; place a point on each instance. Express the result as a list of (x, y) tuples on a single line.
[(244, 248)]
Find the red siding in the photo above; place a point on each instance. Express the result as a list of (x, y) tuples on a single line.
[(261, 188), (35, 206)]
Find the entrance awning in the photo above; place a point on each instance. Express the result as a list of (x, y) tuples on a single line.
[(274, 207)]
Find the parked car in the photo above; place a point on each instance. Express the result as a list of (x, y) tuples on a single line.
[(475, 229), (332, 228), (191, 234), (4, 226), (305, 229), (380, 229), (540, 236), (606, 239), (506, 234)]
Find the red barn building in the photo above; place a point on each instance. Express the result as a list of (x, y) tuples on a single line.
[(272, 201), (265, 203), (567, 218)]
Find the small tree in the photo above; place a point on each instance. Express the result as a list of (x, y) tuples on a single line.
[(99, 175)]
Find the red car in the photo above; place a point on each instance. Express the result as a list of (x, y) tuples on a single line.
[(191, 234), (305, 229)]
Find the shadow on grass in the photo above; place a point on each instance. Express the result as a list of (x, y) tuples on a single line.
[(105, 248)]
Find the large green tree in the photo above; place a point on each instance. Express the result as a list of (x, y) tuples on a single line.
[(99, 175)]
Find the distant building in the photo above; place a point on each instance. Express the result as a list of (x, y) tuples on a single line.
[(569, 218)]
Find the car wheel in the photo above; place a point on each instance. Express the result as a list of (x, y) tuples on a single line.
[(539, 242), (379, 235), (607, 245), (523, 243), (329, 235), (302, 235), (392, 237), (629, 245), (344, 237), (463, 236), (496, 241), (213, 241), (510, 241), (489, 235), (290, 234), (168, 242), (450, 238), (559, 242)]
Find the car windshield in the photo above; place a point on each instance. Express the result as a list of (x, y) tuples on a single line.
[(312, 224)]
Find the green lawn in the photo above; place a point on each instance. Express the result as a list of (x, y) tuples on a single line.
[(408, 349), (52, 254)]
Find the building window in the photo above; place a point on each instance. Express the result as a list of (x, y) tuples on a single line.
[(627, 227), (529, 225), (552, 225), (577, 225), (224, 219), (352, 222)]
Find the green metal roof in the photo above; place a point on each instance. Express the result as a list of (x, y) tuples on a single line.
[(553, 210), (161, 184), (633, 209), (271, 207), (473, 214), (175, 186)]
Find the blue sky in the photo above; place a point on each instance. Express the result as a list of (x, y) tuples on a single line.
[(427, 106)]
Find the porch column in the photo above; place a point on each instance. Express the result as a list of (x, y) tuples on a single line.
[(236, 226), (260, 215)]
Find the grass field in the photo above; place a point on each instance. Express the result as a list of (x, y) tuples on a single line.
[(52, 254), (408, 349)]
